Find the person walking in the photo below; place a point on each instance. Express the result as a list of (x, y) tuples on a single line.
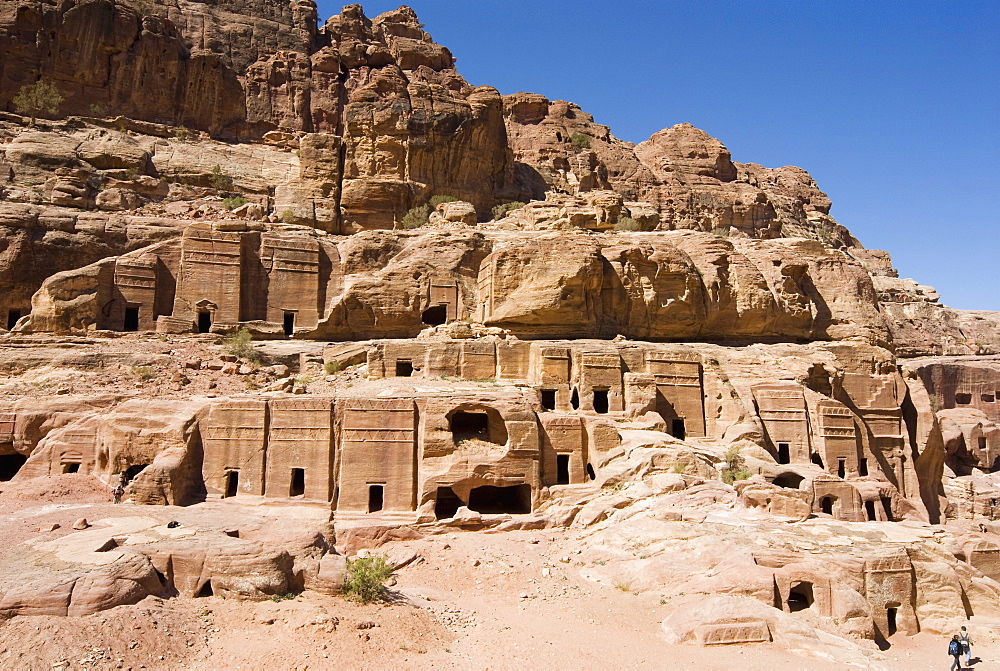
[(119, 492), (955, 650), (966, 642)]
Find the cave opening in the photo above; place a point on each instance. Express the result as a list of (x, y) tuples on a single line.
[(435, 315), (513, 500), (10, 464), (446, 503), (800, 596)]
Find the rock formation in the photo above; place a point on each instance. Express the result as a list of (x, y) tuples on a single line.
[(473, 311)]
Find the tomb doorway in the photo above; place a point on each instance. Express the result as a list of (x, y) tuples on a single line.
[(562, 469), (490, 500), (446, 503), (800, 596), (10, 464)]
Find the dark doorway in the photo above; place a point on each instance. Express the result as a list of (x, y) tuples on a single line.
[(841, 468), (783, 456), (677, 429), (562, 469), (288, 323), (788, 480), (298, 486), (515, 500), (376, 498), (887, 507), (133, 471), (404, 368), (591, 475), (131, 318), (10, 464), (870, 509), (204, 321), (548, 399), (206, 589), (232, 483), (446, 503), (890, 620), (71, 467), (435, 316), (863, 467), (12, 317), (818, 460), (600, 401), (574, 399), (470, 425), (826, 505), (800, 596)]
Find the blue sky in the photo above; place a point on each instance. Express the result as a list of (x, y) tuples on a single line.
[(892, 106)]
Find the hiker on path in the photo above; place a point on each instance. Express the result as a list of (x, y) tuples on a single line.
[(119, 492), (966, 642), (955, 650)]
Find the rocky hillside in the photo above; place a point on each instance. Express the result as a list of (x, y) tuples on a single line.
[(251, 262)]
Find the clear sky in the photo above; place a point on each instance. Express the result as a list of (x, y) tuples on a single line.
[(893, 107)]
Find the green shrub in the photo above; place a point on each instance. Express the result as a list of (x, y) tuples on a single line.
[(627, 224), (366, 578), (579, 141), (331, 367), (500, 210), (182, 133), (416, 217), (735, 468), (144, 373), (437, 200), (238, 344), (233, 202), (38, 98), (288, 217), (220, 180)]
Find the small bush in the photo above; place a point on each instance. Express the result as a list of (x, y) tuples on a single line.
[(38, 98), (366, 578), (579, 141), (627, 224), (416, 217), (144, 373), (735, 469), (238, 344), (277, 598), (437, 200), (181, 133), (501, 210), (233, 202), (331, 367), (220, 180), (288, 217)]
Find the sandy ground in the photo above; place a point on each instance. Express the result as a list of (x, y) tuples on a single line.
[(474, 600)]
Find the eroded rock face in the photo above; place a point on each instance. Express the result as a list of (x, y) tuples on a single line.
[(679, 285)]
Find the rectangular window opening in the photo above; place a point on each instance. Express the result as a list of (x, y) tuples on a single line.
[(562, 469), (982, 443), (601, 401), (783, 453), (376, 498), (870, 509), (131, 318), (548, 399), (298, 486), (863, 467), (841, 468), (404, 368)]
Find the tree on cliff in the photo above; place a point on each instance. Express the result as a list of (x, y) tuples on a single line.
[(38, 98)]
